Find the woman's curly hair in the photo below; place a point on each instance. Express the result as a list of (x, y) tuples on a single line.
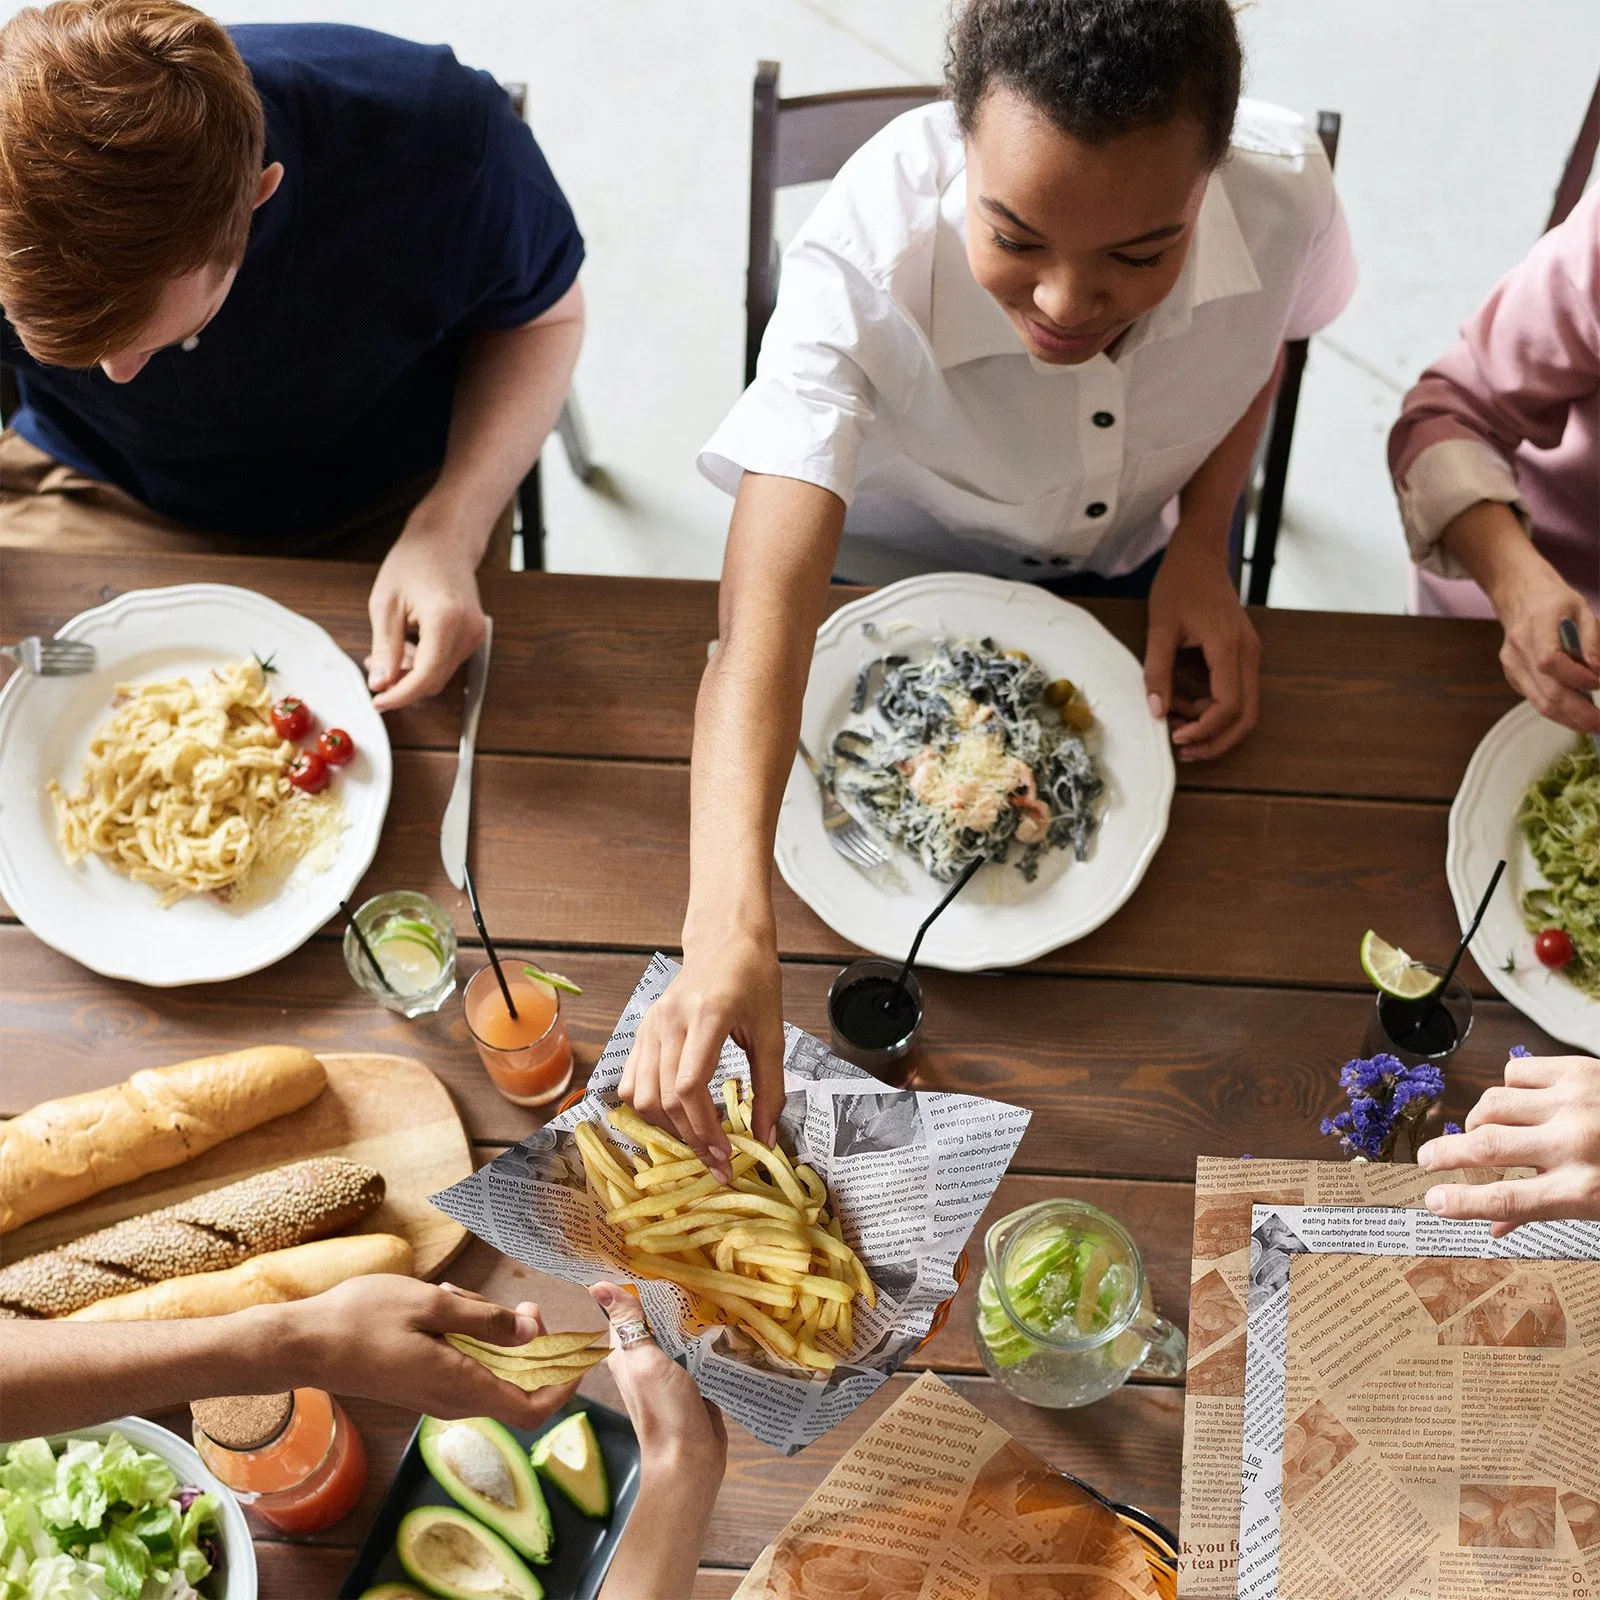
[(1099, 68)]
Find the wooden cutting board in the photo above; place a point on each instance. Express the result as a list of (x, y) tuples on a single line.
[(389, 1112)]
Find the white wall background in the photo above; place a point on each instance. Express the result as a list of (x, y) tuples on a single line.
[(1458, 116)]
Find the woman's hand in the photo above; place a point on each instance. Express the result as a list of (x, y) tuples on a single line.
[(1547, 1116), (730, 987), (381, 1336), (1531, 605), (1193, 602), (683, 1452)]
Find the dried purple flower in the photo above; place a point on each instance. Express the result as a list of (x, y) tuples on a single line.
[(1520, 1050), (1452, 1127), (1386, 1098)]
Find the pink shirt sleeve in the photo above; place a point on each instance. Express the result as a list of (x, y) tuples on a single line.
[(1527, 355)]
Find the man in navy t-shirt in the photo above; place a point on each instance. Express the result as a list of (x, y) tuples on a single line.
[(292, 289)]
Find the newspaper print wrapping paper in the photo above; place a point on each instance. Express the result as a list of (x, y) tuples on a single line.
[(910, 1174), (936, 1502), (1362, 1318), (1213, 1417)]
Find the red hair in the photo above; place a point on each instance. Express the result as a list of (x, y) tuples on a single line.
[(131, 141)]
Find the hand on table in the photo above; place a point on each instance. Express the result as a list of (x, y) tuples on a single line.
[(1193, 602), (731, 991), (1546, 1116), (428, 584), (1530, 605), (381, 1337)]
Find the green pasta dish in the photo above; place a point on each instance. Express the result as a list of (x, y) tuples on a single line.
[(1560, 817)]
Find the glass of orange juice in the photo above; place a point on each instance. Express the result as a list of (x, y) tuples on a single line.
[(528, 1057)]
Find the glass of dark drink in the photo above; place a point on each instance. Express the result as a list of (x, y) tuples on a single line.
[(875, 1017), (1432, 1028)]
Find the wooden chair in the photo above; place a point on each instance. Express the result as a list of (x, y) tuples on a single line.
[(1580, 163), (1279, 437), (803, 140), (808, 138)]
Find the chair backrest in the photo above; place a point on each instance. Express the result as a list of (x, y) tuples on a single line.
[(1580, 163), (803, 140)]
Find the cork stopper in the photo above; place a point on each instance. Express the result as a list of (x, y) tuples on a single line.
[(243, 1421)]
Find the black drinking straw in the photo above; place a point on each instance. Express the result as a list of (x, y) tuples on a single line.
[(928, 921), (366, 949), (1425, 1006), (488, 944)]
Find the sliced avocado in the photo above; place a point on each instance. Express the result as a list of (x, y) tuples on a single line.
[(569, 1456), (395, 1591), (480, 1465), (455, 1557)]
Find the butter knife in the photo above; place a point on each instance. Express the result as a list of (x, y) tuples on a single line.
[(458, 814), (1573, 645)]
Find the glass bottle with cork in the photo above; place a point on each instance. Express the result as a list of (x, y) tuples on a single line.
[(295, 1459)]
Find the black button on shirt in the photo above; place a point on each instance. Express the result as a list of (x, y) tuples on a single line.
[(1103, 419), (1032, 561), (1095, 508)]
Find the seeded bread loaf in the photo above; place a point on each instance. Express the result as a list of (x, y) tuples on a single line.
[(205, 1233), (63, 1151)]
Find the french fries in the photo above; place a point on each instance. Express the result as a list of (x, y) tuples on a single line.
[(552, 1358), (761, 1254)]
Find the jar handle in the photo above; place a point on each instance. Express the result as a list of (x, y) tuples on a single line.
[(1168, 1352)]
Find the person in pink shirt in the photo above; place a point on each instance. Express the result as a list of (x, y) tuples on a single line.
[(1496, 460)]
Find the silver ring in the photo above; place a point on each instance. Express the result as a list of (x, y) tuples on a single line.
[(636, 1331)]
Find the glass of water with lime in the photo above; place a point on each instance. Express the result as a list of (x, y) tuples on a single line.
[(1064, 1312), (413, 943)]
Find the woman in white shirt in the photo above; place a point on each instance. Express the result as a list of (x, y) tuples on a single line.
[(1033, 331)]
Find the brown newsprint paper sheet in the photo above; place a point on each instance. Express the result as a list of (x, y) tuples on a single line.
[(1446, 1443), (1213, 1421), (936, 1502)]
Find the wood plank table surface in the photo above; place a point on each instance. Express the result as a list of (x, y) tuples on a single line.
[(1208, 1017)]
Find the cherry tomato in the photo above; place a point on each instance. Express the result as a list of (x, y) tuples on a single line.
[(291, 718), (1554, 947), (335, 746), (308, 772)]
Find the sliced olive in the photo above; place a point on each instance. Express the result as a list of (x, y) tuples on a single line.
[(1059, 692)]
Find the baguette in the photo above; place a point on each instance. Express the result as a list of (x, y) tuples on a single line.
[(64, 1151), (205, 1233), (293, 1274)]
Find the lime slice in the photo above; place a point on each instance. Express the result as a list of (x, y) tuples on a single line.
[(410, 929), (408, 964), (1393, 971), (551, 980)]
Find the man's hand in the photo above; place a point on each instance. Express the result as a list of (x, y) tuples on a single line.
[(731, 989), (382, 1337), (1548, 1117), (1193, 603), (428, 585)]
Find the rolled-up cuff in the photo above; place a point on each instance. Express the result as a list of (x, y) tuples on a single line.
[(1441, 483)]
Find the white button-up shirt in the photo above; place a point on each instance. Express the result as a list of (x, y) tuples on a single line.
[(889, 376)]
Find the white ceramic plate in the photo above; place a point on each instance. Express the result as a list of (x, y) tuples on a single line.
[(98, 917), (239, 1553), (999, 920), (1483, 828)]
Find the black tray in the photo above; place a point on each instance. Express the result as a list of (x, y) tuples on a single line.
[(583, 1547)]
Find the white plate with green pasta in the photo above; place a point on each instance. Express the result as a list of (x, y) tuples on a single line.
[(960, 714), (1532, 794)]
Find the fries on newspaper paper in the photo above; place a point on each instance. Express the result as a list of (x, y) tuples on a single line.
[(792, 1293)]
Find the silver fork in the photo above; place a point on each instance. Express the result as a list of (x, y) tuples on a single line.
[(50, 658), (845, 834)]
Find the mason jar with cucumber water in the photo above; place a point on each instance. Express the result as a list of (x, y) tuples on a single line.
[(1064, 1312)]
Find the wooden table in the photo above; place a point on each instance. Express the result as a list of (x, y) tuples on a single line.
[(1208, 1017)]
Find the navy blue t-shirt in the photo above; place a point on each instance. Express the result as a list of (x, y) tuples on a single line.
[(415, 209)]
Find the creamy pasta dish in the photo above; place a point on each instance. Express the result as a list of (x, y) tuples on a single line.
[(186, 788)]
